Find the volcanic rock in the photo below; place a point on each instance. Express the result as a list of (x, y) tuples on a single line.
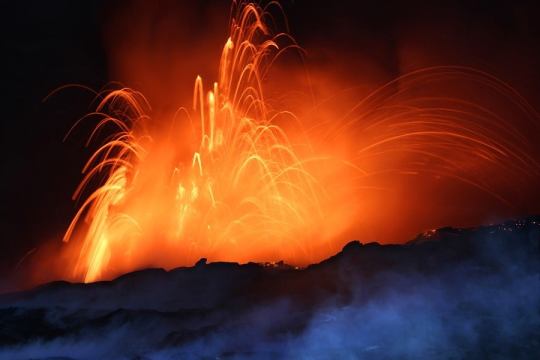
[(447, 294)]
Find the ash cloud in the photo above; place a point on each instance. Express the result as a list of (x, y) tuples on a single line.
[(449, 294)]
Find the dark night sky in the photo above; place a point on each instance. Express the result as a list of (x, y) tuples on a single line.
[(50, 44)]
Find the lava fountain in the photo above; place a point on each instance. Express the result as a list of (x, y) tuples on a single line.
[(234, 179), (243, 193)]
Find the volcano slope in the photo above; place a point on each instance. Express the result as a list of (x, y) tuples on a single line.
[(448, 294)]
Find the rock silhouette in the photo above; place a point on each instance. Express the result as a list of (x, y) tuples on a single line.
[(449, 293)]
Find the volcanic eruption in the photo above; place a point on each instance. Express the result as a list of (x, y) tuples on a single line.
[(220, 223), (233, 178)]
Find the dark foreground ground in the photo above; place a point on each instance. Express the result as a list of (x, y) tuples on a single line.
[(449, 294)]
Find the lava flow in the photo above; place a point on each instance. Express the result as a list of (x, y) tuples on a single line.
[(235, 179)]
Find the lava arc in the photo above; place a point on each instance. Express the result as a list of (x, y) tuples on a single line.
[(226, 180)]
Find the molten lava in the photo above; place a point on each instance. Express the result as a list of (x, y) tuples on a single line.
[(234, 179)]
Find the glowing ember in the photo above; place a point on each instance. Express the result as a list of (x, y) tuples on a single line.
[(226, 182)]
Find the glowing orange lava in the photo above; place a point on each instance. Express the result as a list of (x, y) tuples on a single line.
[(226, 180)]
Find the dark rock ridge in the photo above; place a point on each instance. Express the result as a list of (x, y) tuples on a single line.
[(449, 293)]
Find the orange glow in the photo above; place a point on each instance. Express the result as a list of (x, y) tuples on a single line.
[(234, 178)]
